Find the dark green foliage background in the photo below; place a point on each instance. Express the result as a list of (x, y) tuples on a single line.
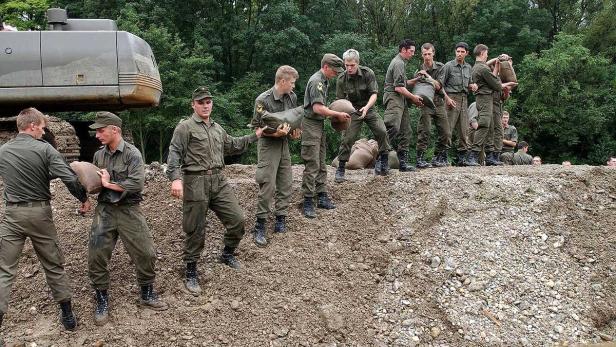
[(563, 51)]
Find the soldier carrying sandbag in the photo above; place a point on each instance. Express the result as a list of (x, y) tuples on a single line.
[(358, 85), (314, 142), (118, 215), (274, 175), (27, 164)]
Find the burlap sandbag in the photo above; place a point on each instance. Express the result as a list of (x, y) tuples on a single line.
[(472, 112), (507, 74), (341, 105), (89, 179), (363, 155), (292, 116), (394, 163), (424, 88)]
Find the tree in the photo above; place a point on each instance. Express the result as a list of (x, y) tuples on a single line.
[(566, 102)]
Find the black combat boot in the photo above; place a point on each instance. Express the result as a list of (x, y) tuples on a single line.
[(339, 177), (101, 312), (462, 158), (378, 168), (259, 232), (67, 317), (280, 226), (440, 160), (472, 159), (227, 257), (191, 281), (404, 165), (324, 202), (492, 159), (421, 161), (384, 161), (150, 300), (309, 207)]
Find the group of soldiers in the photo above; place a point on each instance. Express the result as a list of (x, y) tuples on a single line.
[(196, 165)]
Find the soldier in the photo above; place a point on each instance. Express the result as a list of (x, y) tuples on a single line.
[(118, 215), (195, 168), (521, 157), (536, 160), (358, 85), (510, 139), (314, 143), (274, 160), (434, 70), (457, 82), (26, 167), (487, 84), (395, 94)]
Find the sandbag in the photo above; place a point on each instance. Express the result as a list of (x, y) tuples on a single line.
[(88, 176), (291, 116), (507, 74), (424, 88), (341, 105), (394, 163), (363, 154), (473, 112)]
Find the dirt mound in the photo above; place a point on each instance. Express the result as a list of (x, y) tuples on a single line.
[(454, 256)]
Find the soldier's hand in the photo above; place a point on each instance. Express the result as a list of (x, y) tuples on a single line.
[(473, 87), (363, 111), (283, 130), (296, 134), (342, 116), (259, 132), (417, 100), (105, 177), (85, 207), (177, 189), (451, 103)]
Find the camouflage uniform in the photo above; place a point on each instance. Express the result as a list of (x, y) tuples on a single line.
[(26, 166), (118, 215), (439, 114), (396, 116), (487, 84), (455, 79), (358, 89), (314, 142), (196, 156), (273, 173)]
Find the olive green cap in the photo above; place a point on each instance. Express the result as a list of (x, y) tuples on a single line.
[(333, 61), (104, 119), (201, 93)]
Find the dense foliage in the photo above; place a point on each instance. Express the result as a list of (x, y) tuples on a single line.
[(563, 51)]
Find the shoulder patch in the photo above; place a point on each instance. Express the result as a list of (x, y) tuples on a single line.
[(320, 86), (260, 108)]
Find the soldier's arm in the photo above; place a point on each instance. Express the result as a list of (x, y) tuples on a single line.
[(58, 168), (491, 80), (177, 152), (237, 145), (317, 101), (135, 179)]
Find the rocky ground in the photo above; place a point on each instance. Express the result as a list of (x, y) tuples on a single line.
[(510, 256)]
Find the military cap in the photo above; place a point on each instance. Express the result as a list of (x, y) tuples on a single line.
[(104, 119), (463, 45), (333, 61), (201, 93), (522, 144)]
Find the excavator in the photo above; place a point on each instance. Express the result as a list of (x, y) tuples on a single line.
[(74, 65)]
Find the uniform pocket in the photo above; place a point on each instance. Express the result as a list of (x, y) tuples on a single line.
[(262, 174), (194, 188)]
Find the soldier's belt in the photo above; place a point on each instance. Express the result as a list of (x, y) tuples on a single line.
[(28, 204), (203, 172)]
